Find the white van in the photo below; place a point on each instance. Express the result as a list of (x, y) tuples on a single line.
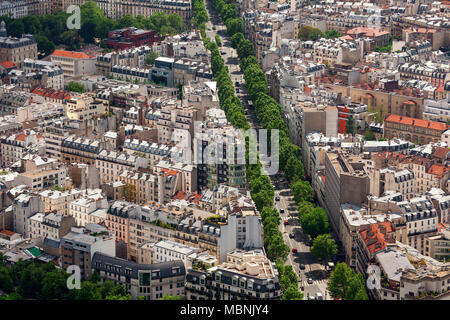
[(319, 296)]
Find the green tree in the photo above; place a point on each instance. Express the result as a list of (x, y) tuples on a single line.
[(44, 45), (88, 291), (324, 247), (302, 191), (350, 128), (75, 86), (309, 33), (315, 222), (236, 39), (345, 284), (151, 57), (16, 28), (32, 25), (54, 285), (6, 281), (71, 39), (234, 25), (88, 31), (219, 43), (331, 34), (369, 135), (294, 169), (292, 293)]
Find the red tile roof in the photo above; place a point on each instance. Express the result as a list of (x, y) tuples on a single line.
[(417, 122), (376, 236), (438, 170), (52, 93), (440, 152), (72, 54), (7, 232), (167, 172), (367, 32), (21, 137), (8, 64)]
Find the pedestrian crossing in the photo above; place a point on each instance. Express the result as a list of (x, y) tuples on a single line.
[(305, 283)]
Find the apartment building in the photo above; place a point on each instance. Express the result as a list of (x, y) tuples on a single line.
[(413, 129), (111, 163), (16, 49), (52, 225), (354, 219), (80, 244), (175, 122), (246, 275), (59, 201), (24, 206), (84, 107), (163, 71), (154, 152), (421, 221), (52, 75), (15, 146), (151, 281), (39, 180), (90, 208), (220, 157), (392, 179), (76, 149), (74, 64), (118, 219), (437, 110), (164, 251), (438, 246), (346, 182)]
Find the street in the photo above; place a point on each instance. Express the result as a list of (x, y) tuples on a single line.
[(313, 269)]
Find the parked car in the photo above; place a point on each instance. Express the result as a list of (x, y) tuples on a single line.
[(222, 53), (286, 222), (294, 250), (281, 210), (311, 298), (319, 296), (291, 235), (310, 280), (277, 198), (302, 266)]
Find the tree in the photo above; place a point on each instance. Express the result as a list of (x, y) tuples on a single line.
[(54, 285), (305, 207), (129, 192), (331, 34), (71, 39), (277, 248), (6, 282), (88, 31), (16, 28), (44, 45), (350, 126), (151, 57), (88, 291), (369, 135), (234, 25), (294, 169), (75, 86), (292, 293), (345, 284), (236, 39), (315, 222), (302, 191), (309, 33), (324, 247), (3, 260), (32, 25), (245, 49), (219, 43), (31, 281)]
